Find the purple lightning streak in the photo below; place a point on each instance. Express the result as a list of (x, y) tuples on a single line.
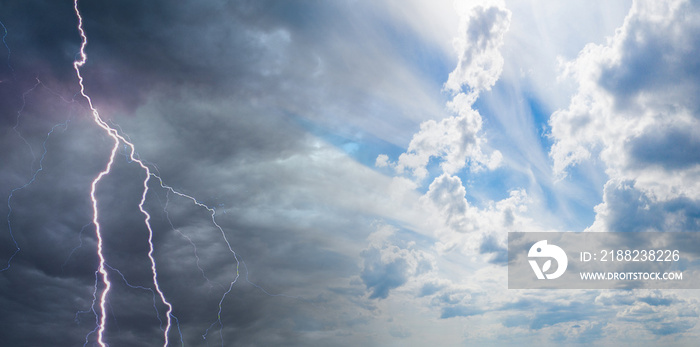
[(77, 64)]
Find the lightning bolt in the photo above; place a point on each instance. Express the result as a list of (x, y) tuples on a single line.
[(155, 308), (194, 246), (15, 190), (36, 172), (212, 211), (4, 42), (117, 138), (121, 145), (19, 116), (92, 309), (80, 244), (12, 192)]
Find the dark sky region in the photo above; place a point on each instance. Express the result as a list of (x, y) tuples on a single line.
[(365, 161)]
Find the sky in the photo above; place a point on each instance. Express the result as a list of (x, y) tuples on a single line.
[(339, 173)]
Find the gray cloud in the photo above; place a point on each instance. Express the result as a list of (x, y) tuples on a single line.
[(627, 208), (212, 94), (491, 246), (381, 277), (460, 311), (636, 99), (664, 52), (667, 147), (220, 97)]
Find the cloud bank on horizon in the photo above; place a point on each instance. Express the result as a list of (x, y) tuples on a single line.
[(366, 161)]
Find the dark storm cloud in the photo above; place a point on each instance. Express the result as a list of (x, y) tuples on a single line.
[(316, 60), (135, 46), (41, 37), (52, 277), (205, 90)]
